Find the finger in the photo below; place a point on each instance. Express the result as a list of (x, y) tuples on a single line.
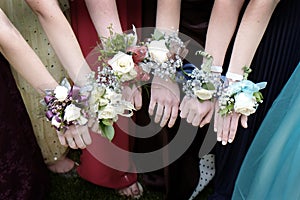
[(226, 129), (138, 99), (69, 137), (152, 105), (190, 117), (244, 120), (95, 128), (233, 127), (91, 122), (184, 112), (173, 117), (216, 118), (159, 112), (166, 116), (219, 125), (207, 118), (182, 104), (85, 135), (78, 141), (61, 138), (197, 119), (71, 143)]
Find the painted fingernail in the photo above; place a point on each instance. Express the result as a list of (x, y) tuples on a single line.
[(230, 141), (219, 139), (224, 142)]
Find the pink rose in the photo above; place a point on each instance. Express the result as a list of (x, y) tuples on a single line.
[(138, 53)]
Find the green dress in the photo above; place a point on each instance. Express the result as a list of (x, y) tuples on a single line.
[(28, 24), (271, 169)]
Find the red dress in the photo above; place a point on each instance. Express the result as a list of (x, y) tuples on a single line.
[(91, 168)]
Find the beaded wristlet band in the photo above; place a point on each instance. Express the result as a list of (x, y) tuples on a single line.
[(234, 76), (217, 69)]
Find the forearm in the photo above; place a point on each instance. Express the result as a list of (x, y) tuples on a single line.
[(103, 14), (222, 24), (22, 57), (62, 38), (168, 15), (250, 33)]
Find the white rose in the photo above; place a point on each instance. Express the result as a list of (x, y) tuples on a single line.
[(103, 101), (108, 112), (158, 51), (112, 96), (129, 76), (72, 113), (204, 94), (121, 63), (55, 123), (61, 93), (96, 94), (244, 104)]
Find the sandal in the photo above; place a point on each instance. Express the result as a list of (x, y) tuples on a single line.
[(134, 191)]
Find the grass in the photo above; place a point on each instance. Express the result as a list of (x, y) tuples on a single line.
[(75, 188)]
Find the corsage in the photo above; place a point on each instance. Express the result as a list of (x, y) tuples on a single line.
[(242, 96), (65, 106), (201, 83), (165, 54)]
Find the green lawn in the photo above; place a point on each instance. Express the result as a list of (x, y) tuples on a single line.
[(75, 188)]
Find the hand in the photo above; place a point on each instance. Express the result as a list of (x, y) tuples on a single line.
[(226, 126), (134, 95), (75, 137), (196, 113), (166, 95)]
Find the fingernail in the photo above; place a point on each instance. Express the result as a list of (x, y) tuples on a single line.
[(230, 141), (219, 139), (215, 130), (224, 142)]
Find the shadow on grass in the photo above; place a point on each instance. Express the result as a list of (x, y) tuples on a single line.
[(75, 188)]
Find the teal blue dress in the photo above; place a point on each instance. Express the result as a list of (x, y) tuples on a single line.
[(271, 169)]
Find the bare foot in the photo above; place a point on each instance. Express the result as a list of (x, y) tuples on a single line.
[(62, 166), (133, 191)]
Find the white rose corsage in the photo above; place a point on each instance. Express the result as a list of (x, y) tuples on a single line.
[(165, 54), (106, 103), (65, 106), (121, 53), (241, 97), (201, 83)]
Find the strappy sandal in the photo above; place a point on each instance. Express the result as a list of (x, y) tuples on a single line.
[(132, 194)]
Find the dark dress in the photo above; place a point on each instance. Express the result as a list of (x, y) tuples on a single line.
[(179, 179), (275, 60), (23, 174)]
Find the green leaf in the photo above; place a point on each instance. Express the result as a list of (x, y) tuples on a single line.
[(258, 96), (107, 131), (157, 35), (107, 122), (208, 86), (223, 112)]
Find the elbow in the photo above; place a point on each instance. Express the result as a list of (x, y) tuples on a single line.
[(42, 8)]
